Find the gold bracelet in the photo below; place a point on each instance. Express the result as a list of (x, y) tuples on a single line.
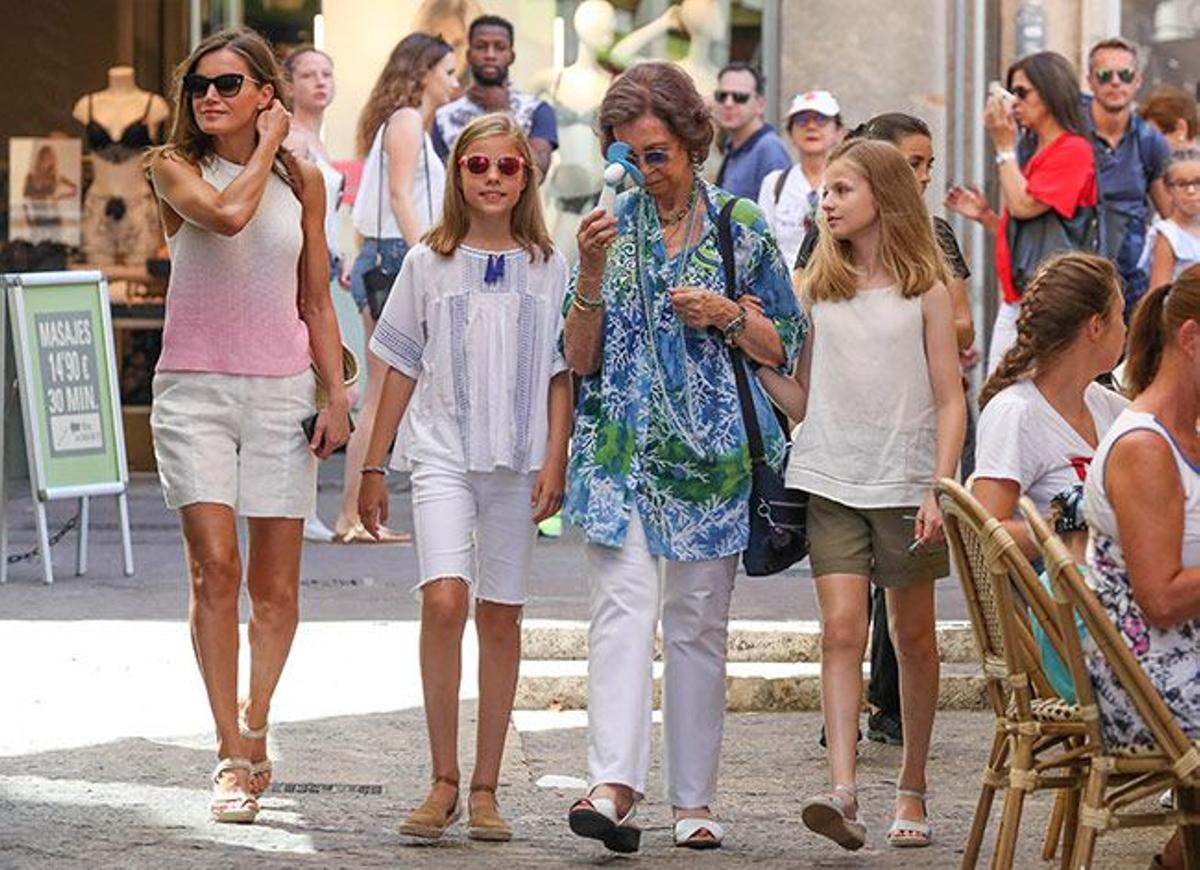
[(582, 303)]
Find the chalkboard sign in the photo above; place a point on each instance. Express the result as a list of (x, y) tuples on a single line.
[(66, 371)]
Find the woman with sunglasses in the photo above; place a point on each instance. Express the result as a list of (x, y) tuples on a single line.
[(1059, 174), (399, 198), (659, 469), (470, 340), (248, 319)]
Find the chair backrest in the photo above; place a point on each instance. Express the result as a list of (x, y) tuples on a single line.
[(998, 583), (1074, 596)]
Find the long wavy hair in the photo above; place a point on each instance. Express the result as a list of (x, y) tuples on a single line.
[(186, 139), (908, 249), (401, 84), (1065, 293), (526, 221)]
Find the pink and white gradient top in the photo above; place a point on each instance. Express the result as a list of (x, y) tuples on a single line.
[(232, 300)]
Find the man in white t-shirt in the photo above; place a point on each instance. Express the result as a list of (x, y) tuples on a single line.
[(790, 198)]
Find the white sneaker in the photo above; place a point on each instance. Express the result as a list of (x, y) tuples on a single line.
[(1167, 799), (316, 531)]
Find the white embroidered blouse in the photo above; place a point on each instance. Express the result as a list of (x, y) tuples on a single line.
[(479, 333)]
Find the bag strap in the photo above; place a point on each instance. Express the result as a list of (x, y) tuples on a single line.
[(781, 182), (379, 199), (745, 398)]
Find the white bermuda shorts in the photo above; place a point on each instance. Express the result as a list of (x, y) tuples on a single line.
[(476, 526), (235, 440)]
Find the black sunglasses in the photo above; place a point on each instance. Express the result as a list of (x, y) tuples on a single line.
[(227, 84), (1020, 91), (1126, 75), (739, 97)]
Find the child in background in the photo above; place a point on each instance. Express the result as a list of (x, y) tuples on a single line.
[(1173, 242), (470, 336)]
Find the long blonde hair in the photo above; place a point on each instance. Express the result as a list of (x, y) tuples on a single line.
[(907, 250), (401, 84), (527, 223)]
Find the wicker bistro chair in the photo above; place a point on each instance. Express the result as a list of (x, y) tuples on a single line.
[(1119, 776), (1039, 738)]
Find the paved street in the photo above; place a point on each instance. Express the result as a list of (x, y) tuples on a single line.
[(105, 738)]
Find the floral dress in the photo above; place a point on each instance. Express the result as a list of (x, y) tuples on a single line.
[(659, 427), (1170, 657)]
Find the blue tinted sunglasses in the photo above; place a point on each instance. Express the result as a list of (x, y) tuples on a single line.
[(651, 157)]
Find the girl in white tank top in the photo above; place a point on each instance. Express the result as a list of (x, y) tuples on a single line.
[(880, 399)]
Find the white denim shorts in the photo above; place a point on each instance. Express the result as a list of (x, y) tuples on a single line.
[(475, 526), (235, 440)]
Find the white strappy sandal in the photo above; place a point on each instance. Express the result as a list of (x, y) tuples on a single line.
[(826, 815), (688, 833), (232, 806), (907, 834), (257, 768)]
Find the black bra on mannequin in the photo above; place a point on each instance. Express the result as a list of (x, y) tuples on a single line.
[(136, 135)]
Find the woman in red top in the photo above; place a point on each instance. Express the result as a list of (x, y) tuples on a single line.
[(1060, 174)]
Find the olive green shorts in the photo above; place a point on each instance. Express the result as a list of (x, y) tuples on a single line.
[(870, 542)]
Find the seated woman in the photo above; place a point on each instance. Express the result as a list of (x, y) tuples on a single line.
[(1142, 503), (1042, 412)]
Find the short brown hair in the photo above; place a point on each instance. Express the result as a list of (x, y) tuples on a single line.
[(1117, 42), (1167, 105), (665, 91)]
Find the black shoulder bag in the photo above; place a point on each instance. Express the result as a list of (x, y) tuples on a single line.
[(777, 514), (378, 280)]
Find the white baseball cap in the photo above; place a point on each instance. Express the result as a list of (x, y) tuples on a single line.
[(815, 101)]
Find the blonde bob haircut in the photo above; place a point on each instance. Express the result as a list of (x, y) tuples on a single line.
[(528, 224), (908, 250)]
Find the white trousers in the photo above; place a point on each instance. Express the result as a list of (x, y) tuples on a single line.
[(1004, 334), (625, 596)]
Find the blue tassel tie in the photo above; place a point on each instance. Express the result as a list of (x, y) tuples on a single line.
[(495, 269)]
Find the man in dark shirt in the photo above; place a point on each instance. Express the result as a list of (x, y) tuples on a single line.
[(490, 54), (1130, 158), (752, 147)]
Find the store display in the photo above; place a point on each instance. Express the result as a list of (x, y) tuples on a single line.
[(120, 220), (575, 92), (706, 24), (43, 186)]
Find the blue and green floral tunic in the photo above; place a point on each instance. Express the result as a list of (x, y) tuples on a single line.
[(659, 426)]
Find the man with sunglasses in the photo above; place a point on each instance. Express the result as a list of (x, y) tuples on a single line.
[(489, 55), (1130, 159), (752, 147)]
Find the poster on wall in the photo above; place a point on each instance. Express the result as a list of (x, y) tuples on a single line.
[(44, 189)]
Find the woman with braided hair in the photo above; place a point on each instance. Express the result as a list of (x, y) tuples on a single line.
[(1042, 412)]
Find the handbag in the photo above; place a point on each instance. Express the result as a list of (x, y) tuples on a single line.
[(778, 537), (1032, 241), (378, 280)]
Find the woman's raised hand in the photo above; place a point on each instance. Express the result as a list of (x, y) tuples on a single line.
[(596, 233), (967, 201), (273, 123), (999, 123)]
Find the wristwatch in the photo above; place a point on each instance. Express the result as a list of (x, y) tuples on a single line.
[(734, 328), (1005, 156)]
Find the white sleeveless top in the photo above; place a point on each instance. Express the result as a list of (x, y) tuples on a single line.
[(232, 300), (429, 181), (334, 182), (1098, 509), (870, 434), (1184, 245), (1167, 656)]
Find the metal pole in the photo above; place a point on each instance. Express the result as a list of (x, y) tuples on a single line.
[(5, 393), (81, 541), (126, 537), (43, 536), (958, 152), (984, 312)]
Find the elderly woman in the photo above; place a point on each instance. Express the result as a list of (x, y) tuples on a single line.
[(1142, 501), (659, 476)]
